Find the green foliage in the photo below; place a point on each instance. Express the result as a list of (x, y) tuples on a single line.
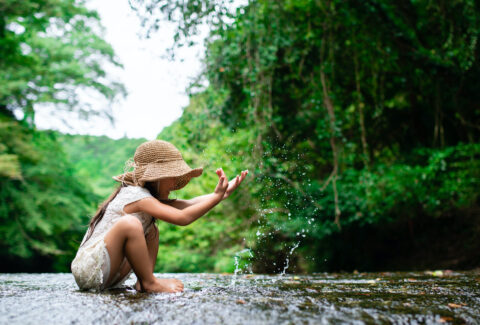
[(211, 242), (97, 159), (352, 118), (44, 205), (49, 50), (352, 114)]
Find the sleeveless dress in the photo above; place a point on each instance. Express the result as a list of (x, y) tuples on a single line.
[(91, 265)]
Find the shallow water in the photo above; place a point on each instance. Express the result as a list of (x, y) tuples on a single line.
[(325, 298)]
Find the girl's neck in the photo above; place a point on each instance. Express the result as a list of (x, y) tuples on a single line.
[(163, 196)]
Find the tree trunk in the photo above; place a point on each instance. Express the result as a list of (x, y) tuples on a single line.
[(331, 114), (361, 117)]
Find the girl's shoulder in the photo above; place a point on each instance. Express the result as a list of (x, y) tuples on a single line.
[(125, 196), (133, 193), (134, 189)]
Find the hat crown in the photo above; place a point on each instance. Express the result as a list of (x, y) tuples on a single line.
[(156, 151), (155, 160)]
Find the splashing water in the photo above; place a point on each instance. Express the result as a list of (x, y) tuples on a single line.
[(288, 256), (237, 263), (282, 274)]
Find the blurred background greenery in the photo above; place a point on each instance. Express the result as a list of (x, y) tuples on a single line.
[(358, 121)]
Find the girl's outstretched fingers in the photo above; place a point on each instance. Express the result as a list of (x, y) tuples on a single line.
[(234, 183), (222, 184)]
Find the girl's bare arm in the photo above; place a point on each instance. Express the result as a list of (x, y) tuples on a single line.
[(181, 217), (232, 185), (182, 204)]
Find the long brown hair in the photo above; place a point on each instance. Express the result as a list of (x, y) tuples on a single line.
[(101, 212), (150, 186)]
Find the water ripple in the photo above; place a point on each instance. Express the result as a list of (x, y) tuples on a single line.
[(366, 298)]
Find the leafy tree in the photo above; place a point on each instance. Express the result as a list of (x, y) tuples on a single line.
[(358, 122), (348, 107), (50, 51), (45, 206)]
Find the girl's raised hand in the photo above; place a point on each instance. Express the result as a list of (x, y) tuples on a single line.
[(233, 184), (222, 183)]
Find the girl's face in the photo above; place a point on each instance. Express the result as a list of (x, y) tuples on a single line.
[(164, 186)]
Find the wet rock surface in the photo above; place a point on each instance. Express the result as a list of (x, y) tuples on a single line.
[(327, 298)]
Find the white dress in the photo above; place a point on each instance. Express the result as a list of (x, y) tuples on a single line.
[(91, 265)]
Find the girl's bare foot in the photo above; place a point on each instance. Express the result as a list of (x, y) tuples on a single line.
[(138, 287), (161, 285)]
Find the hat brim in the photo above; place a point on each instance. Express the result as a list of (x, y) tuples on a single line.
[(177, 169)]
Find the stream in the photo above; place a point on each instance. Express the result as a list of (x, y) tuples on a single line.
[(438, 297)]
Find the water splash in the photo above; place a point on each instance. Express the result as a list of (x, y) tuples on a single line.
[(237, 258), (288, 260), (282, 274)]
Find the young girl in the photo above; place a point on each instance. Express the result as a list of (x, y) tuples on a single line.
[(122, 236)]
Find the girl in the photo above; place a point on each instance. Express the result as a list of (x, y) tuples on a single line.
[(122, 236)]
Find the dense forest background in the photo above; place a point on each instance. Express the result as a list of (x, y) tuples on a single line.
[(358, 121)]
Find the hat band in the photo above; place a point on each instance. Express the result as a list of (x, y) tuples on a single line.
[(156, 161)]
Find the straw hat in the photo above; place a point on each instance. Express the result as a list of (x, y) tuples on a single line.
[(155, 160)]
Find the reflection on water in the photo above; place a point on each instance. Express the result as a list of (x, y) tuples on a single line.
[(365, 298)]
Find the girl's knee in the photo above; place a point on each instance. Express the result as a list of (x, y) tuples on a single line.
[(131, 224)]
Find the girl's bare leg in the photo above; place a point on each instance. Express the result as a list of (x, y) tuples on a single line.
[(152, 245), (126, 239)]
